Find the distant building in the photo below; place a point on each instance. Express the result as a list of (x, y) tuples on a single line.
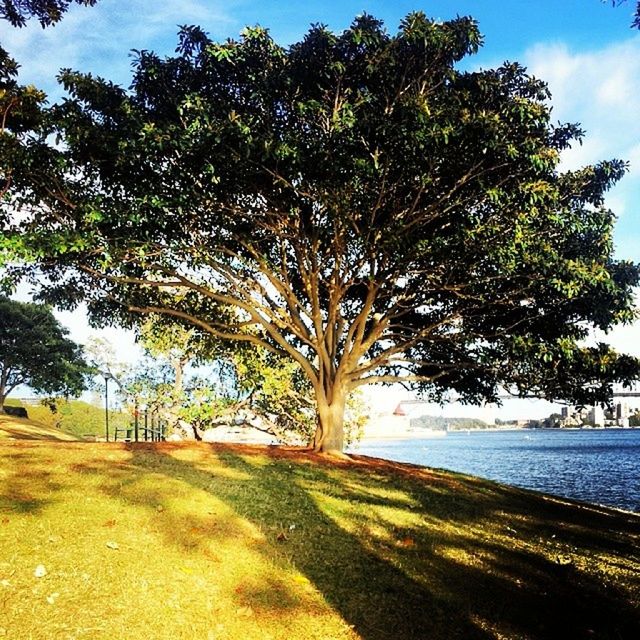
[(596, 416)]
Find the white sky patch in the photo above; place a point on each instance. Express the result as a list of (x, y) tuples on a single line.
[(99, 39), (634, 161), (382, 401), (599, 90), (624, 338), (79, 330)]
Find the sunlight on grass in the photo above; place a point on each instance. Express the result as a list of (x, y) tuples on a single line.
[(12, 428), (196, 541)]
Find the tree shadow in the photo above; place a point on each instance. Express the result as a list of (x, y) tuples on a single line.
[(22, 490), (397, 551), (428, 580)]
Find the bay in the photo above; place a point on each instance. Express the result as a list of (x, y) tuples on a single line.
[(601, 466)]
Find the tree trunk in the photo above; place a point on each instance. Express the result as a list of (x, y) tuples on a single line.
[(3, 392), (329, 436)]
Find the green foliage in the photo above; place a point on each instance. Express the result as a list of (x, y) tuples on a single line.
[(354, 203), (35, 351), (235, 384), (47, 12), (150, 384), (439, 423), (20, 106), (20, 112), (205, 406)]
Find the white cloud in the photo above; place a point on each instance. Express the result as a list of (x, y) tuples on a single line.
[(99, 39), (600, 89), (634, 160)]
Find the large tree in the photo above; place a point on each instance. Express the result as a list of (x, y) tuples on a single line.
[(354, 202), (35, 351)]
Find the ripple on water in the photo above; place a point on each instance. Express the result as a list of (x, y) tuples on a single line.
[(599, 466)]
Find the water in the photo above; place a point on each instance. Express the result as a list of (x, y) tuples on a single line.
[(598, 466)]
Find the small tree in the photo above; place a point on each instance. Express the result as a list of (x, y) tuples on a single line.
[(34, 351), (235, 382), (105, 363), (355, 203)]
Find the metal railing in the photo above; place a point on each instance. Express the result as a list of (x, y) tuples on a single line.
[(147, 426)]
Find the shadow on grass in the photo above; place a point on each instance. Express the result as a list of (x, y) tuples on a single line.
[(22, 491), (398, 552), (456, 569)]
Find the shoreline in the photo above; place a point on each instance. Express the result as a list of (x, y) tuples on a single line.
[(427, 434), (430, 434)]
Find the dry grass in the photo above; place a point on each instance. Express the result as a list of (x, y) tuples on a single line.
[(12, 428), (223, 542)]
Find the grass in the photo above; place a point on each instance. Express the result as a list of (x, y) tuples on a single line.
[(76, 417), (12, 428), (215, 542)]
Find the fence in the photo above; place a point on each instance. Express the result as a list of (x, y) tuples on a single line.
[(147, 426)]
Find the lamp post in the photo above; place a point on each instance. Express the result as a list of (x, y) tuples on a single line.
[(107, 377)]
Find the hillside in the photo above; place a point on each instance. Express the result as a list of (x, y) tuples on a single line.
[(76, 417), (12, 428), (440, 423), (177, 541)]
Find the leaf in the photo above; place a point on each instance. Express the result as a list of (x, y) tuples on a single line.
[(40, 571)]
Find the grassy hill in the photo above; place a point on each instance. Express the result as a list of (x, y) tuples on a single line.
[(12, 428), (440, 423), (177, 541), (76, 417)]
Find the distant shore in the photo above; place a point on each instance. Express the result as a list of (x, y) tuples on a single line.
[(428, 434), (419, 434)]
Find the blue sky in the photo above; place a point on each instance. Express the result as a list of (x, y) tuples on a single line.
[(585, 49)]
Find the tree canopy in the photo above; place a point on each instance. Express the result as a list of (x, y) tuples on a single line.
[(35, 351), (355, 202)]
